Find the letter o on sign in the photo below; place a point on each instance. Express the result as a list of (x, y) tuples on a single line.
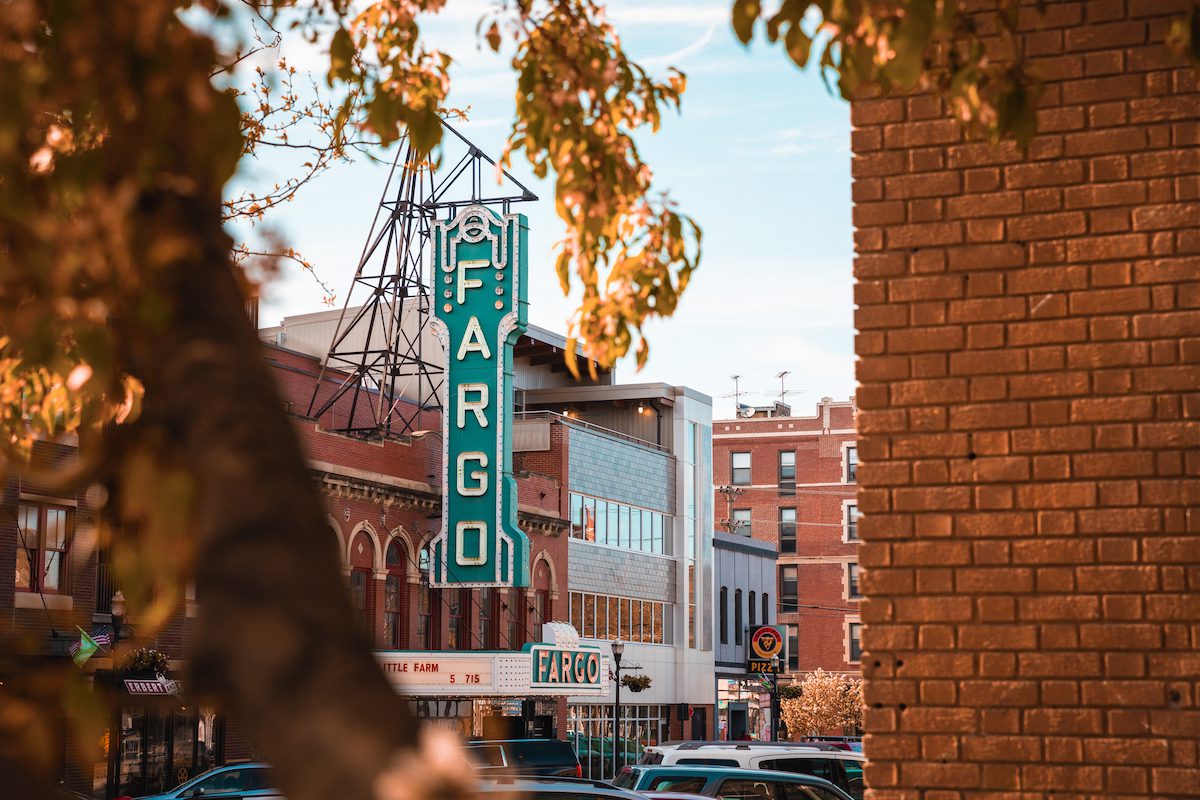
[(593, 668)]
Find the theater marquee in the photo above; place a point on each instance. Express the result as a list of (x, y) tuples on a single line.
[(480, 313), (558, 667)]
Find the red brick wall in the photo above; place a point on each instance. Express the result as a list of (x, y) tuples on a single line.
[(821, 555), (1029, 343)]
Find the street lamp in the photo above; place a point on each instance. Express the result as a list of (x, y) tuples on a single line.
[(118, 615), (775, 698), (618, 649)]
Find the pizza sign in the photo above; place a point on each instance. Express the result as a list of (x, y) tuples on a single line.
[(766, 642)]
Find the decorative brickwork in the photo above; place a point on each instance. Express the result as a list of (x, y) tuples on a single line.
[(1030, 356)]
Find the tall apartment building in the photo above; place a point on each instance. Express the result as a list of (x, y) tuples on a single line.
[(790, 480)]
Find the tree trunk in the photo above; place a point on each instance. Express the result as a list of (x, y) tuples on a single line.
[(276, 644)]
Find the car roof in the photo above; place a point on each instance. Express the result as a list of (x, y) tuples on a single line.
[(741, 745), (768, 752), (734, 772), (523, 784)]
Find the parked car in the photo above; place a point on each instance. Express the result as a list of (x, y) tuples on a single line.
[(727, 783), (528, 788), (825, 760), (843, 742), (229, 782), (551, 757)]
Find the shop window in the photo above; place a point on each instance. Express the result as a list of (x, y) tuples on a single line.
[(851, 522), (576, 600), (511, 609), (854, 634), (577, 526), (787, 530), (460, 625), (723, 615), (485, 630), (788, 590), (393, 593), (851, 464), (752, 608), (43, 539), (852, 581), (589, 519), (737, 616), (741, 521), (601, 522), (740, 469), (588, 629)]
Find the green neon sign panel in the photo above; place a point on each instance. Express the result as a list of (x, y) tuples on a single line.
[(480, 312)]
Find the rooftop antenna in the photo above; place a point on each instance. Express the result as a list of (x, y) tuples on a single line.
[(737, 392), (782, 390)]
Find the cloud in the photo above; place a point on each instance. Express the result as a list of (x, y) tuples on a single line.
[(677, 57), (657, 15)]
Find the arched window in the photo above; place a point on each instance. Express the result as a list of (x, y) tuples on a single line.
[(393, 596), (737, 617), (362, 564), (723, 615), (766, 608), (543, 610), (753, 609)]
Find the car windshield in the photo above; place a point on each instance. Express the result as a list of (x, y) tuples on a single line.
[(626, 778), (231, 780)]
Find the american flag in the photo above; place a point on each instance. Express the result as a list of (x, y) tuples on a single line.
[(100, 636)]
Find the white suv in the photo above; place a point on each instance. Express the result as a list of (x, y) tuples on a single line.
[(842, 768)]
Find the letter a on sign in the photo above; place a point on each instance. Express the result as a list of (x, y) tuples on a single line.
[(479, 294)]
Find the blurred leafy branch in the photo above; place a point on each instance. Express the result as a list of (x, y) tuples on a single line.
[(936, 46)]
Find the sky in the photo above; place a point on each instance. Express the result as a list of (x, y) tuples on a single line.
[(759, 156)]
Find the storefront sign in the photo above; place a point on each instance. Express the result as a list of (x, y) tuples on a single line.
[(560, 661), (426, 669), (556, 666), (766, 642), (155, 686), (480, 313)]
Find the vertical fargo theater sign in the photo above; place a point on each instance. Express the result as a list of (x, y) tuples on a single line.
[(480, 267)]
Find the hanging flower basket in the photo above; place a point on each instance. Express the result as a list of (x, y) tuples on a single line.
[(636, 683), (146, 662)]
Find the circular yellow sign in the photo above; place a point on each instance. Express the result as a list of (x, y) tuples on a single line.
[(766, 641)]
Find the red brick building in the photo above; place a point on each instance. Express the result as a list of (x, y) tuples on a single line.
[(790, 480), (1029, 359)]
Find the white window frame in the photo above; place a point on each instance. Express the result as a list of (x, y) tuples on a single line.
[(746, 531), (733, 468), (846, 506), (846, 633), (846, 447), (846, 582)]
